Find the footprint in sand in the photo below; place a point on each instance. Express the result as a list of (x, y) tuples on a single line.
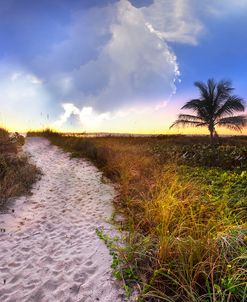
[(56, 255)]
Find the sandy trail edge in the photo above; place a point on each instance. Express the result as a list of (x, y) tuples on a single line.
[(50, 251)]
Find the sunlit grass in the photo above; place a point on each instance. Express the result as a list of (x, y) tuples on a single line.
[(185, 215)]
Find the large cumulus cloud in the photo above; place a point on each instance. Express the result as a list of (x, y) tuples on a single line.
[(111, 56), (118, 54)]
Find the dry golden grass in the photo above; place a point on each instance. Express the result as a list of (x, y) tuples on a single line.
[(183, 243), (16, 173)]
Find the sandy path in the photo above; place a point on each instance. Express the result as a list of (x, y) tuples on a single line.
[(49, 250)]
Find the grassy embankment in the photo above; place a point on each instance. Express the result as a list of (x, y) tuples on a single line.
[(16, 174), (185, 208)]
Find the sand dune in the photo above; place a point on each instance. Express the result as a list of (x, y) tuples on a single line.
[(49, 250)]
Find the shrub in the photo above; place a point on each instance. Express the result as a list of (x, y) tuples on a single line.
[(16, 173)]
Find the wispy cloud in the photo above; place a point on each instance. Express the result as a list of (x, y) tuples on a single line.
[(224, 8)]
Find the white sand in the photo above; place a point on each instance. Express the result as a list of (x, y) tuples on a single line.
[(49, 250)]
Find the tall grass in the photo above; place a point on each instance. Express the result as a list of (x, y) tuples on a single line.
[(185, 239), (189, 249), (17, 174)]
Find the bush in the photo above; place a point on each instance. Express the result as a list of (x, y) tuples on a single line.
[(18, 139), (16, 173), (6, 144)]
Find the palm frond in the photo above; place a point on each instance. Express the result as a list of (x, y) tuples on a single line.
[(190, 117), (185, 123), (233, 122), (203, 124), (223, 91), (233, 103), (232, 127), (203, 89), (224, 88), (211, 86), (194, 104)]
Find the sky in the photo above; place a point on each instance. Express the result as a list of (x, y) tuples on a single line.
[(115, 65)]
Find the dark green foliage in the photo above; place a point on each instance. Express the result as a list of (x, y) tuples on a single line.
[(224, 186), (224, 156)]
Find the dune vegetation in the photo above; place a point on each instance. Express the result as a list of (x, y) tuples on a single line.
[(17, 174), (184, 204)]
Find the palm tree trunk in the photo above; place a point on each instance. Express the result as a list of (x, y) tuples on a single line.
[(211, 131), (211, 138), (217, 138)]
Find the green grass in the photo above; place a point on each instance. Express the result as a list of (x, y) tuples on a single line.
[(185, 209)]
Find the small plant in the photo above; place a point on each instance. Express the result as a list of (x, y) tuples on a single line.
[(120, 272)]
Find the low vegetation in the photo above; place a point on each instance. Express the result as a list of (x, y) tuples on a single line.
[(16, 173), (185, 206)]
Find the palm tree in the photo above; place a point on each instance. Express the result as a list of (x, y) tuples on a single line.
[(215, 107)]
